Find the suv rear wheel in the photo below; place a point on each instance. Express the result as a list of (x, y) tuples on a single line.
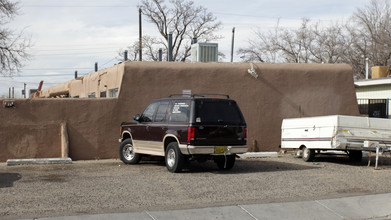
[(225, 162), (174, 158), (127, 154)]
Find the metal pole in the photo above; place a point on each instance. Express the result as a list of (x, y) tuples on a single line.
[(232, 44), (366, 68), (126, 55), (140, 36), (160, 54), (170, 47), (96, 66), (13, 92), (75, 74), (377, 155), (9, 93), (24, 90)]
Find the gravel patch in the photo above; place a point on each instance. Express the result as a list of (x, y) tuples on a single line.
[(107, 186)]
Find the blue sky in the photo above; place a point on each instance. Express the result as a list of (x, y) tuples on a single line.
[(74, 34)]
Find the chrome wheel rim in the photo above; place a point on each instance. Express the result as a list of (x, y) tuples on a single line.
[(128, 152), (171, 158)]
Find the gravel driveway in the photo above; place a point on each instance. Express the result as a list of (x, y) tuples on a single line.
[(107, 186)]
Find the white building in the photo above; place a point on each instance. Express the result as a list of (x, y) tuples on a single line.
[(374, 97)]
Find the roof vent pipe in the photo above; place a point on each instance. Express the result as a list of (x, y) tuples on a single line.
[(170, 47), (126, 55), (160, 54), (75, 74), (194, 40), (96, 66)]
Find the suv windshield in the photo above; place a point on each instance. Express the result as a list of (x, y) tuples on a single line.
[(218, 111)]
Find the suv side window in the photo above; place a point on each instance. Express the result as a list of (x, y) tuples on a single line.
[(161, 112), (180, 111), (148, 113)]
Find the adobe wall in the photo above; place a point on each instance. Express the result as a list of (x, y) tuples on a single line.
[(32, 128), (280, 91)]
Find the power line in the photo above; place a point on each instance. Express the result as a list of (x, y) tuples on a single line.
[(71, 54), (60, 68), (67, 49), (41, 75), (80, 6)]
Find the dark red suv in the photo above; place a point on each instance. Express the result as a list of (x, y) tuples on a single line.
[(186, 127)]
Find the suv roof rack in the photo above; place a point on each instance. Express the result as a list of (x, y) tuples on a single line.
[(199, 95)]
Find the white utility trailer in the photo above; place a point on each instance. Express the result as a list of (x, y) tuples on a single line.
[(351, 134)]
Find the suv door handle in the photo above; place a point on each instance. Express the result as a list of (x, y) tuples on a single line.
[(164, 128)]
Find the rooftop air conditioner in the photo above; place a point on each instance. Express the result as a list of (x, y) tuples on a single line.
[(204, 52)]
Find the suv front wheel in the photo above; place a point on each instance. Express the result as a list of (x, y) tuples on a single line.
[(174, 158), (127, 154)]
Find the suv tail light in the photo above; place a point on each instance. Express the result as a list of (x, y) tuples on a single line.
[(245, 133), (190, 133)]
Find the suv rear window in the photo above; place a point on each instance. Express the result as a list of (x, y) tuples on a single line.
[(218, 111)]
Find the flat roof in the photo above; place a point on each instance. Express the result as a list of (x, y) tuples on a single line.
[(372, 82)]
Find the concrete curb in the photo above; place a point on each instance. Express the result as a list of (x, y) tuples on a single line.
[(13, 162), (258, 154)]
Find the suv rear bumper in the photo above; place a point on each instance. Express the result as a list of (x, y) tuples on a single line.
[(211, 150)]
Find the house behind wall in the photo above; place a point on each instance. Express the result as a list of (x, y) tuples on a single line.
[(280, 91), (102, 84)]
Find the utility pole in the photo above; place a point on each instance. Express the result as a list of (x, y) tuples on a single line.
[(232, 44), (140, 36)]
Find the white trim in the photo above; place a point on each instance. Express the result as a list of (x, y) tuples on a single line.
[(372, 82)]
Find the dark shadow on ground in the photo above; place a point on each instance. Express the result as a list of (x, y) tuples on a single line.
[(247, 166), (384, 160), (8, 179), (241, 166)]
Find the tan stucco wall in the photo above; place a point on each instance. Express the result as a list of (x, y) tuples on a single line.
[(281, 91)]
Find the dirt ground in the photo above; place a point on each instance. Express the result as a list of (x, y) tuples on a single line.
[(106, 186)]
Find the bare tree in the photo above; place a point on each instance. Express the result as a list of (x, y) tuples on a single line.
[(371, 31), (150, 49), (184, 20), (366, 35), (12, 45), (281, 45)]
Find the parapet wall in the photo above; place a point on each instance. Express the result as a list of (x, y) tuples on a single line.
[(280, 91), (32, 128)]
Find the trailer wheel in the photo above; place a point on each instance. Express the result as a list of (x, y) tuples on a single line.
[(355, 155), (308, 154)]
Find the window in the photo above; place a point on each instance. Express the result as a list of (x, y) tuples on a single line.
[(161, 112), (113, 93), (180, 111), (149, 111), (91, 95), (103, 94), (218, 111)]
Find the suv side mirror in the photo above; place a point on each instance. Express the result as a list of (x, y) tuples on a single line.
[(137, 117)]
